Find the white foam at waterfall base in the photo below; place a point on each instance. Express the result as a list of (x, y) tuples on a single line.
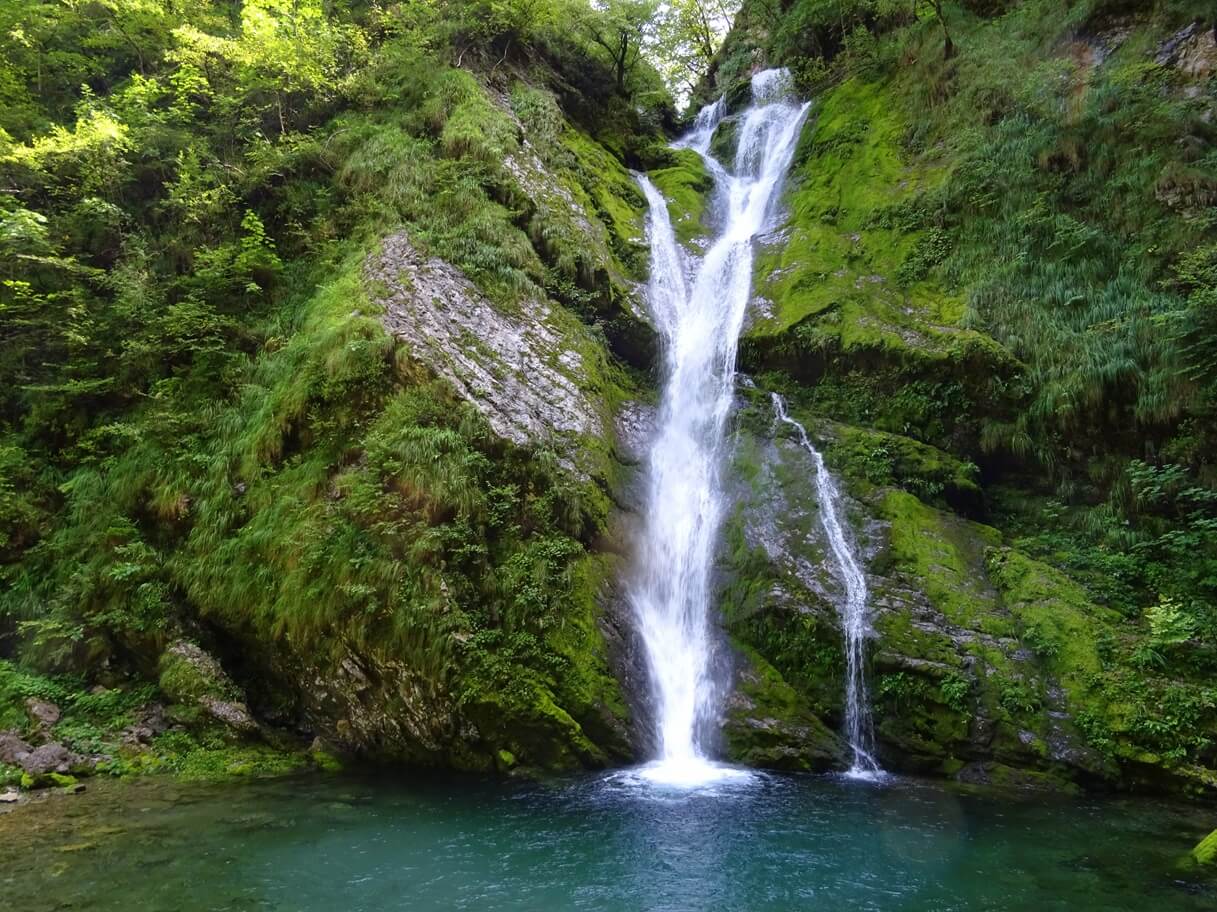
[(698, 306)]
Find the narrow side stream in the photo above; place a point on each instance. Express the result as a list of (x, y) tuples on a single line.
[(855, 619)]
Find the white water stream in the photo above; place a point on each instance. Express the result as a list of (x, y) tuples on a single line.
[(855, 622), (698, 306)]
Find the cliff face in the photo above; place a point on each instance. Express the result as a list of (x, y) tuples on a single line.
[(356, 447), (353, 417), (974, 305)]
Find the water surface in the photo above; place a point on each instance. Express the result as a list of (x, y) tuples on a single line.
[(606, 843)]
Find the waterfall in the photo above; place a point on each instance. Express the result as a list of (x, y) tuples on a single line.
[(854, 621), (698, 306)]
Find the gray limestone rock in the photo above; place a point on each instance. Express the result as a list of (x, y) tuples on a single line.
[(524, 371)]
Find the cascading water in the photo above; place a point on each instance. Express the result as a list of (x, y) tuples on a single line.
[(854, 621), (699, 309)]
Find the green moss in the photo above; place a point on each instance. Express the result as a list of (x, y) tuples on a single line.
[(772, 725), (945, 554), (685, 186), (1055, 616), (9, 775), (233, 762), (187, 680), (1205, 852), (842, 255), (869, 458), (326, 761), (724, 142), (602, 183)]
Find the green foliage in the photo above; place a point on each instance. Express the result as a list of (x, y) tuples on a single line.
[(91, 719), (956, 693), (202, 419)]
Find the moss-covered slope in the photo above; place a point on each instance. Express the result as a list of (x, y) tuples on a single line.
[(977, 241)]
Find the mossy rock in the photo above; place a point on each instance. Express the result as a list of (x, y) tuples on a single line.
[(770, 725), (725, 141), (738, 95), (1205, 852), (188, 674), (685, 185), (945, 555), (870, 458)]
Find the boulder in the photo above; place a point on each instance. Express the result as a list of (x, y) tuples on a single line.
[(43, 713), (188, 673), (194, 679), (13, 748), (49, 758), (232, 713)]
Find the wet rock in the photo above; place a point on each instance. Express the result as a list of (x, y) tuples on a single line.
[(946, 663), (768, 725), (10, 796), (635, 425), (627, 659)]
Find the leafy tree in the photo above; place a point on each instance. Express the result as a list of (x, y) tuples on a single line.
[(688, 35), (621, 29)]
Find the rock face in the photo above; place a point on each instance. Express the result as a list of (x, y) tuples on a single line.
[(193, 678), (524, 370), (954, 689), (1192, 50)]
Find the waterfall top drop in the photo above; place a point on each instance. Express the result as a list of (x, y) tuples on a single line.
[(698, 306)]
